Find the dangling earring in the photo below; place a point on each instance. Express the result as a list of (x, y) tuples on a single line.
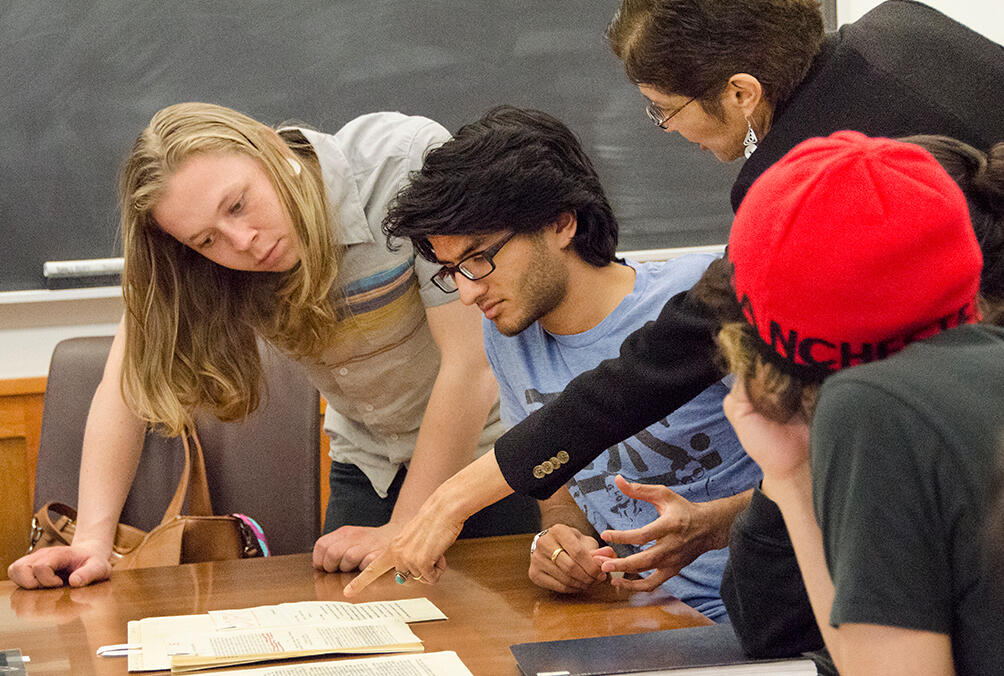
[(750, 141), (297, 168)]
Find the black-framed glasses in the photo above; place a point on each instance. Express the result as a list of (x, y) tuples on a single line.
[(476, 266), (660, 118)]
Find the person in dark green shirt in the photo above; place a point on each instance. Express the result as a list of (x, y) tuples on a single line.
[(871, 398), (771, 615)]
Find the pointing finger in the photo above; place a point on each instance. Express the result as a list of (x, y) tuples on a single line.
[(380, 565)]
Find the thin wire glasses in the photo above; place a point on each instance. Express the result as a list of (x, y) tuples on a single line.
[(658, 117), (476, 266)]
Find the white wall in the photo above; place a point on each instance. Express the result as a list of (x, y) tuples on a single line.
[(30, 326), (32, 322), (983, 16)]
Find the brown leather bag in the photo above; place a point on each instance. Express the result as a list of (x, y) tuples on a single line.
[(193, 538)]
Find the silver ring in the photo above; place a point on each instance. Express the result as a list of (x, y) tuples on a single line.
[(533, 543)]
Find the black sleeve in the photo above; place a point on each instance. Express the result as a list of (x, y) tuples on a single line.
[(762, 586), (662, 365)]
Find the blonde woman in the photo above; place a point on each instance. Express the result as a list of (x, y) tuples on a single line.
[(233, 231)]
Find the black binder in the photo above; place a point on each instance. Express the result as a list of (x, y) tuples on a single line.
[(693, 647)]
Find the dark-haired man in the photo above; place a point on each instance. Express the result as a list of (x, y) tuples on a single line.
[(514, 211)]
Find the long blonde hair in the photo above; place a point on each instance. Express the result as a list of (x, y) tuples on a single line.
[(191, 324)]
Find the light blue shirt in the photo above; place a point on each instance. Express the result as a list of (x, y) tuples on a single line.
[(694, 450)]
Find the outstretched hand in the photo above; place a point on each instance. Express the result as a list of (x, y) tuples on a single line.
[(76, 566), (418, 549), (681, 533)]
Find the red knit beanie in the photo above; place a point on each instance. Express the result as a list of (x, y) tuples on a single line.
[(849, 248)]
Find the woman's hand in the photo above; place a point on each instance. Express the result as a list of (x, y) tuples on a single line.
[(76, 566), (352, 547), (417, 552), (418, 549)]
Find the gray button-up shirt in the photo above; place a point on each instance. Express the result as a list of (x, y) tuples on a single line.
[(378, 374)]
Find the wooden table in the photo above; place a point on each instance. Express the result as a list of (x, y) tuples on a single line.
[(490, 602)]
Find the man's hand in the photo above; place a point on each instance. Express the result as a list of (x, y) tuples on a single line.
[(683, 531), (77, 566), (781, 449), (574, 569), (352, 547)]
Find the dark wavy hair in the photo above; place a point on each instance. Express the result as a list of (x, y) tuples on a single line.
[(980, 174), (513, 169), (693, 47)]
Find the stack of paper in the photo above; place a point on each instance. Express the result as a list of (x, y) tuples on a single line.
[(231, 637)]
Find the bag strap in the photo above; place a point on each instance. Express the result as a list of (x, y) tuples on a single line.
[(193, 481), (42, 524), (199, 502)]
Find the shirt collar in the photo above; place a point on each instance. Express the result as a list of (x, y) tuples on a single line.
[(341, 188)]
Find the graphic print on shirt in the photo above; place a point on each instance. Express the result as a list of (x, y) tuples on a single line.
[(694, 449), (676, 451)]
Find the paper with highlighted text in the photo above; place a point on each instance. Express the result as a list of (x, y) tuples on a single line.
[(322, 612), (222, 638)]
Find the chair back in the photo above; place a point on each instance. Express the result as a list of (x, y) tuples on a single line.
[(266, 466)]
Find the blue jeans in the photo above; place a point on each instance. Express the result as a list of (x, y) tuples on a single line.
[(353, 502)]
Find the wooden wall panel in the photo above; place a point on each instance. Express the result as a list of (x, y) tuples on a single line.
[(15, 508), (20, 426)]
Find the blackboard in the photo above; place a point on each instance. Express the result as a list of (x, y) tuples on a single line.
[(83, 77)]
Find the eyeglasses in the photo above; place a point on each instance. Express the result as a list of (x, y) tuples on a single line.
[(658, 117), (476, 266)]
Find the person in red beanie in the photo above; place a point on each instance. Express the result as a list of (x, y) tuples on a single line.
[(871, 398), (768, 605)]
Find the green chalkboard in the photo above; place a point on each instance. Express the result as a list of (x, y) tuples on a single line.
[(83, 77)]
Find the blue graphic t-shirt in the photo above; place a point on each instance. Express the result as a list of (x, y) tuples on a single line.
[(694, 450)]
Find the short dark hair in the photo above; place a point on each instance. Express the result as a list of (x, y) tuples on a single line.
[(513, 169), (693, 47)]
